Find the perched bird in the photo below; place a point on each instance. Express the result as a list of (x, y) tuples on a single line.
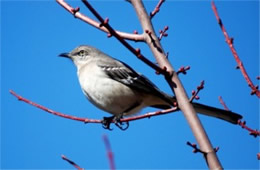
[(116, 88)]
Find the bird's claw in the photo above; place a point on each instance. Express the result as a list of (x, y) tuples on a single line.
[(106, 122)]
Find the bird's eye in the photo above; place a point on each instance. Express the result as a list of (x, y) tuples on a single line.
[(82, 53)]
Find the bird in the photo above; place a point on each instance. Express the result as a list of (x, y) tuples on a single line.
[(115, 87)]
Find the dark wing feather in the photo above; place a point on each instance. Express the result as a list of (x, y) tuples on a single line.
[(123, 73)]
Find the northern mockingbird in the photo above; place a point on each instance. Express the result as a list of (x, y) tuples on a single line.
[(116, 88)]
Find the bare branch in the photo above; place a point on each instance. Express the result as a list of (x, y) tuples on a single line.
[(197, 150), (75, 12), (177, 87), (183, 70), (252, 132), (223, 103), (229, 41), (195, 93), (163, 33), (71, 162), (109, 153), (136, 52), (87, 120), (157, 8)]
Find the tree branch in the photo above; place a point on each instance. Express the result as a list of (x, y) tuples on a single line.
[(87, 120), (75, 12), (71, 162), (157, 8), (110, 155), (229, 41), (177, 87), (223, 103), (252, 132)]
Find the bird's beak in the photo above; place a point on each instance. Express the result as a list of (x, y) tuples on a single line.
[(67, 55)]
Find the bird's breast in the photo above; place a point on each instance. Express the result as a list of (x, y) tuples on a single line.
[(106, 93)]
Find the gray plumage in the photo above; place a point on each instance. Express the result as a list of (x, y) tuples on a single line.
[(115, 87)]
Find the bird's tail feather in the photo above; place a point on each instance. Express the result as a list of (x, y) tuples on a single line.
[(218, 113)]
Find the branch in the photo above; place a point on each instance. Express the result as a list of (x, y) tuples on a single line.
[(240, 66), (52, 111), (156, 9), (223, 103), (87, 120), (75, 12), (163, 33), (183, 70), (195, 93), (196, 149), (170, 75), (109, 152), (176, 86), (71, 162), (252, 132), (136, 52)]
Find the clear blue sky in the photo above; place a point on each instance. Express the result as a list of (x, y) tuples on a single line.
[(34, 33)]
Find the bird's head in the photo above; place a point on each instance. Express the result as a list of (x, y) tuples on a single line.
[(81, 55)]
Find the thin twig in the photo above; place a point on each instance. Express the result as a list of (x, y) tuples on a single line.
[(75, 12), (195, 93), (109, 153), (87, 120), (136, 52), (156, 9), (183, 70), (223, 103), (71, 162), (163, 33), (196, 149), (252, 132), (229, 41)]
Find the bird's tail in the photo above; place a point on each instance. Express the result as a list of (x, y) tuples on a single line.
[(167, 102), (217, 113)]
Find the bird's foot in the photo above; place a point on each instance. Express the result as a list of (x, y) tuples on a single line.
[(119, 124), (106, 122)]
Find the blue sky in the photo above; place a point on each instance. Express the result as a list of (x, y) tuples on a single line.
[(33, 33)]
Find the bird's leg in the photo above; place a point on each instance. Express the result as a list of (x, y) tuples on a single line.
[(107, 121), (119, 124)]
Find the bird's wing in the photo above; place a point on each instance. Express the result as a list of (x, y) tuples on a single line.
[(124, 74)]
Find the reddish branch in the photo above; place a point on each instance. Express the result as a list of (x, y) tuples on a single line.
[(52, 111), (170, 75), (163, 33), (183, 70), (71, 162), (75, 12), (109, 152), (136, 52), (252, 132), (229, 41), (156, 9), (195, 93), (223, 103), (87, 120)]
